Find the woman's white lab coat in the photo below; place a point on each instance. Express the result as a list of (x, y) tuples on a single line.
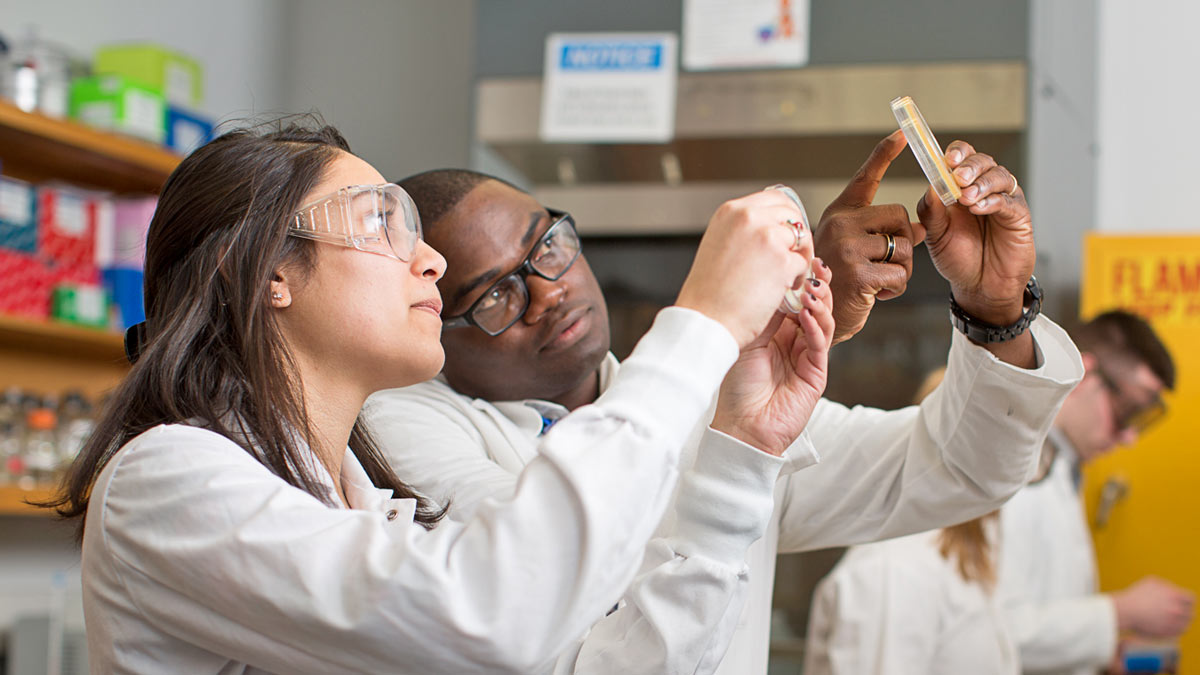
[(898, 607), (198, 559)]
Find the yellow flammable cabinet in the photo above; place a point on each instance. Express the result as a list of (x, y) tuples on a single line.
[(1144, 501)]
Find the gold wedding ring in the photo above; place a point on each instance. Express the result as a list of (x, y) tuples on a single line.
[(891, 247)]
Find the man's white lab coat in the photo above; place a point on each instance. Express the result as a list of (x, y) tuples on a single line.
[(1061, 624), (960, 454)]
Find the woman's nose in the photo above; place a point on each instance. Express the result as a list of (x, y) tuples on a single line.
[(427, 262)]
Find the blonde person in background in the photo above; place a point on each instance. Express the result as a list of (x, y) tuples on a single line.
[(922, 604)]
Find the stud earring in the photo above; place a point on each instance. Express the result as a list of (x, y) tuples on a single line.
[(277, 296)]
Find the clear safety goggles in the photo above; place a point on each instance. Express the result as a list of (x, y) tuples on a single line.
[(379, 219)]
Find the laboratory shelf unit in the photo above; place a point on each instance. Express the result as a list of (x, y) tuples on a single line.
[(50, 357)]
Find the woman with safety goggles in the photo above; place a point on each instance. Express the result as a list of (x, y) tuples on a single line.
[(239, 517)]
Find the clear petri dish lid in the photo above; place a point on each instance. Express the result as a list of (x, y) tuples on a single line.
[(925, 147)]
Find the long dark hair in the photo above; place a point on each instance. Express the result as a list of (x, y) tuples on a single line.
[(213, 354)]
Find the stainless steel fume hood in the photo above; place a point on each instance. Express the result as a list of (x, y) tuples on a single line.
[(736, 132)]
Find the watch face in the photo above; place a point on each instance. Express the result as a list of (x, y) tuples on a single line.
[(1034, 288)]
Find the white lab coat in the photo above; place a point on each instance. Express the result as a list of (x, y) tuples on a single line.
[(1048, 581), (968, 447), (898, 607), (198, 559)]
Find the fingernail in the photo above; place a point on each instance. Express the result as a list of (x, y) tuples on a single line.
[(815, 282), (964, 173), (982, 203), (954, 157), (971, 192), (814, 298), (821, 263)]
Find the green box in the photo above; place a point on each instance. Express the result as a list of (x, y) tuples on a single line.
[(80, 304), (120, 104), (179, 78)]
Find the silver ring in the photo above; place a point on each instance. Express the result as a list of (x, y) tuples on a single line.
[(891, 247), (1013, 191), (798, 229)]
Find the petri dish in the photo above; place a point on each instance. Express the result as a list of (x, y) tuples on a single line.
[(925, 147)]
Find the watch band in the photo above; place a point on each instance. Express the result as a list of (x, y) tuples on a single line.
[(987, 333)]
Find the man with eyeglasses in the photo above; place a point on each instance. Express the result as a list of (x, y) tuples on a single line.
[(526, 341), (1047, 572)]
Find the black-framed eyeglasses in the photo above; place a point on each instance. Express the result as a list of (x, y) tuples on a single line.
[(505, 301), (1130, 414)]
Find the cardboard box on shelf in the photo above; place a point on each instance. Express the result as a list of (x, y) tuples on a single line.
[(186, 130), (67, 225), (120, 104), (179, 78), (25, 284), (125, 289), (18, 215), (80, 304), (122, 239)]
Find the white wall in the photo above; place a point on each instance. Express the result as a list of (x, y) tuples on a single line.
[(240, 43), (395, 76), (1148, 105), (1061, 179)]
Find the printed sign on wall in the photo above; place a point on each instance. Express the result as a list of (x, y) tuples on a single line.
[(609, 87), (1157, 277), (744, 33)]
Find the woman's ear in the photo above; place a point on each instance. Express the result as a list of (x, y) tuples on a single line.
[(281, 290)]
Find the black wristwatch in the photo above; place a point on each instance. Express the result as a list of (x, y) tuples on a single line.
[(986, 333)]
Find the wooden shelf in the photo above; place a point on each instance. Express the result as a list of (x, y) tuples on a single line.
[(12, 501), (35, 147), (46, 357), (56, 337)]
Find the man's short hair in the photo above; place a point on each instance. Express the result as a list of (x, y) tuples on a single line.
[(1120, 334), (438, 191)]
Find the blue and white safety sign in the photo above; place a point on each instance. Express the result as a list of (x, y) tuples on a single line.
[(609, 87)]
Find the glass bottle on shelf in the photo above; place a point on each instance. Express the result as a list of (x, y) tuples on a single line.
[(41, 447), (75, 425), (40, 74), (6, 71), (12, 435)]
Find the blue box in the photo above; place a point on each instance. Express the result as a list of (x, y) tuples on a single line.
[(187, 131), (18, 215), (125, 289)]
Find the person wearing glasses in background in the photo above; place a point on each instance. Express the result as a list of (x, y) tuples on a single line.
[(1047, 573)]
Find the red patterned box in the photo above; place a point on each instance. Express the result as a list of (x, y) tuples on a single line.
[(67, 226), (26, 284)]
